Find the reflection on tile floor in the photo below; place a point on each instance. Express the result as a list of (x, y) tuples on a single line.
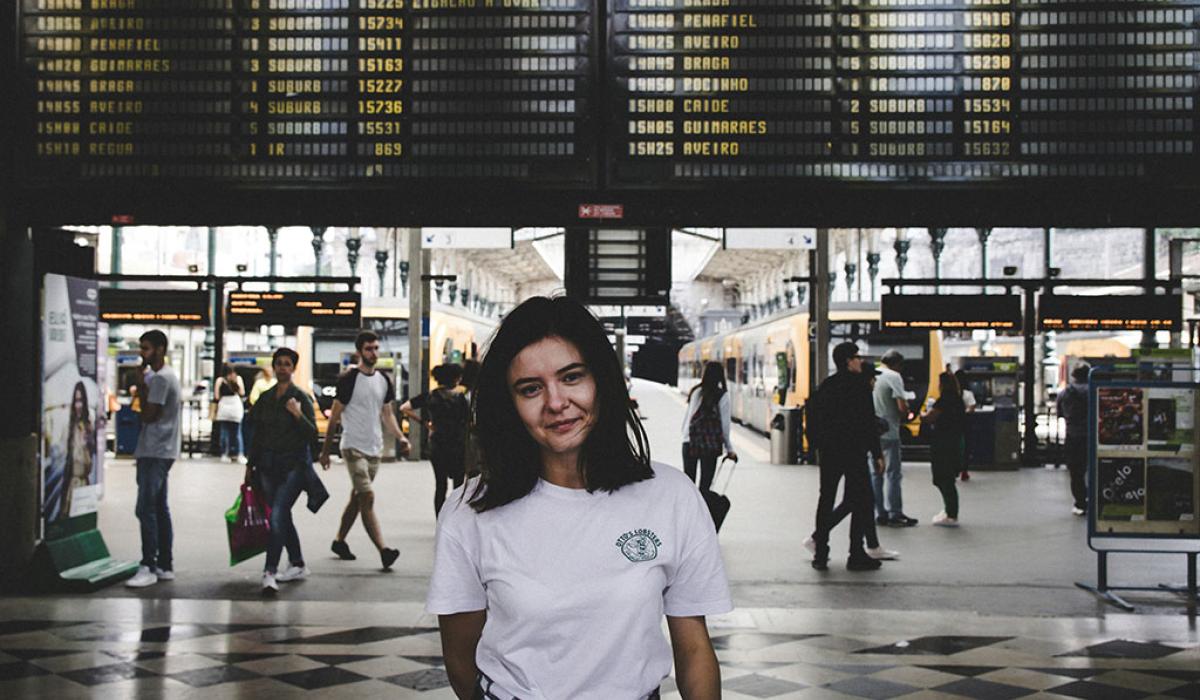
[(764, 654)]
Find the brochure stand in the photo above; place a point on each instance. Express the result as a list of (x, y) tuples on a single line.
[(1143, 471)]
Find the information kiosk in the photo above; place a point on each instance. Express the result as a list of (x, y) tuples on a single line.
[(993, 440)]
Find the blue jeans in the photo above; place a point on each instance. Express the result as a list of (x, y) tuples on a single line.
[(153, 513), (231, 438), (894, 504), (281, 489)]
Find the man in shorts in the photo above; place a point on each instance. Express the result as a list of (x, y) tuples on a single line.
[(363, 404)]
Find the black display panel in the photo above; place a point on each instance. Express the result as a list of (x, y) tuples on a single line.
[(1133, 312), (178, 307), (961, 311), (316, 309), (976, 91), (291, 91)]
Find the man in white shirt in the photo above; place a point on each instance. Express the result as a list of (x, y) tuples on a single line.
[(891, 405), (363, 404)]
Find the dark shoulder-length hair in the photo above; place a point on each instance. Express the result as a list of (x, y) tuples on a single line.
[(712, 385), (615, 453)]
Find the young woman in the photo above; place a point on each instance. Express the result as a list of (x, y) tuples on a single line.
[(948, 419), (706, 425), (230, 391), (553, 570), (81, 446), (284, 428)]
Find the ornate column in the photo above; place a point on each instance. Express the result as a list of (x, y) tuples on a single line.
[(937, 244), (353, 245), (873, 271), (273, 254), (901, 247), (381, 264), (851, 272), (318, 245), (984, 235)]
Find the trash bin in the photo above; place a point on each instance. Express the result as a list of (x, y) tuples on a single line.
[(783, 435), (129, 425)]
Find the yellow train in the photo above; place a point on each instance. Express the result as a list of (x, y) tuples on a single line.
[(766, 362)]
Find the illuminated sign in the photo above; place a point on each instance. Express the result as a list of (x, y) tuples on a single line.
[(961, 311), (178, 307), (316, 309), (306, 91), (1131, 312)]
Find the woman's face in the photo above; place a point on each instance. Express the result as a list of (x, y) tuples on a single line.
[(79, 402), (555, 395)]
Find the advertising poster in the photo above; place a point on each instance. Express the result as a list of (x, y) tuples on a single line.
[(1121, 486), (1170, 489), (71, 398), (1170, 420), (1122, 418)]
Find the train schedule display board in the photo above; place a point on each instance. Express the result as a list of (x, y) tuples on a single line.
[(291, 309), (1144, 468), (171, 306), (900, 90), (306, 91), (1129, 312), (959, 311)]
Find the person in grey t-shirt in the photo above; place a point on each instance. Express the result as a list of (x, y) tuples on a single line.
[(157, 448)]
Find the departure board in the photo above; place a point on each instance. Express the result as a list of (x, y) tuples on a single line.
[(901, 90), (608, 94), (310, 90)]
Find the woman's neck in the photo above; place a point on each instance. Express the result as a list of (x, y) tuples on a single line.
[(562, 470)]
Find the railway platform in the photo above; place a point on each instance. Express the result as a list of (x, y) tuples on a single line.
[(987, 610)]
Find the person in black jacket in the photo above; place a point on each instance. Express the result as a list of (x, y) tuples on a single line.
[(1073, 406), (844, 430)]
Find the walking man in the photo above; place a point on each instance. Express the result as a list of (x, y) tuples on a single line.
[(157, 449), (363, 403), (844, 430), (891, 405)]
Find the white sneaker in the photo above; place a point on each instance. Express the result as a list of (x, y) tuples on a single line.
[(811, 545), (945, 520), (144, 577), (269, 587), (1078, 511), (241, 459), (164, 575), (292, 573), (881, 553)]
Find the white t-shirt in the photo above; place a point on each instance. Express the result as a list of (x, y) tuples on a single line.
[(968, 397), (576, 584), (160, 439), (363, 397)]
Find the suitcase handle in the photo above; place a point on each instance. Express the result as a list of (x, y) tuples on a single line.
[(729, 476)]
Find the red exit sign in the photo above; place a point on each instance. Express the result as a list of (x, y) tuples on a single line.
[(601, 211)]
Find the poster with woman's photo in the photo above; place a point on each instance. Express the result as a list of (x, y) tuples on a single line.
[(71, 398), (1121, 486), (1122, 418), (1170, 419)]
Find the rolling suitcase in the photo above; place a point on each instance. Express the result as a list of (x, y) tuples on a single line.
[(718, 503)]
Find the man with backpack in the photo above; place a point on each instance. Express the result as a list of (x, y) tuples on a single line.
[(843, 428), (363, 403), (448, 414)]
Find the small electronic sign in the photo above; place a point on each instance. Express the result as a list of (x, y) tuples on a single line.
[(961, 311), (1130, 312), (178, 307), (316, 309)]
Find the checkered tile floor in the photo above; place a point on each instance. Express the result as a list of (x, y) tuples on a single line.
[(760, 658)]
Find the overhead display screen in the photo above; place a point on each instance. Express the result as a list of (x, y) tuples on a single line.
[(900, 90), (1131, 312), (316, 309), (181, 307), (275, 91), (962, 311), (611, 93)]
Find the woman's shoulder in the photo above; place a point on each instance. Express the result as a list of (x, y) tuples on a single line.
[(457, 507)]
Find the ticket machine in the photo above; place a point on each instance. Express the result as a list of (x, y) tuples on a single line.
[(993, 438)]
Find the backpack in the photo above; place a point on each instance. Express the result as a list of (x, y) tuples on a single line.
[(704, 431), (814, 419), (449, 412)]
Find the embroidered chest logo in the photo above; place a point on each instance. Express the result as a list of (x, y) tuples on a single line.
[(639, 545)]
